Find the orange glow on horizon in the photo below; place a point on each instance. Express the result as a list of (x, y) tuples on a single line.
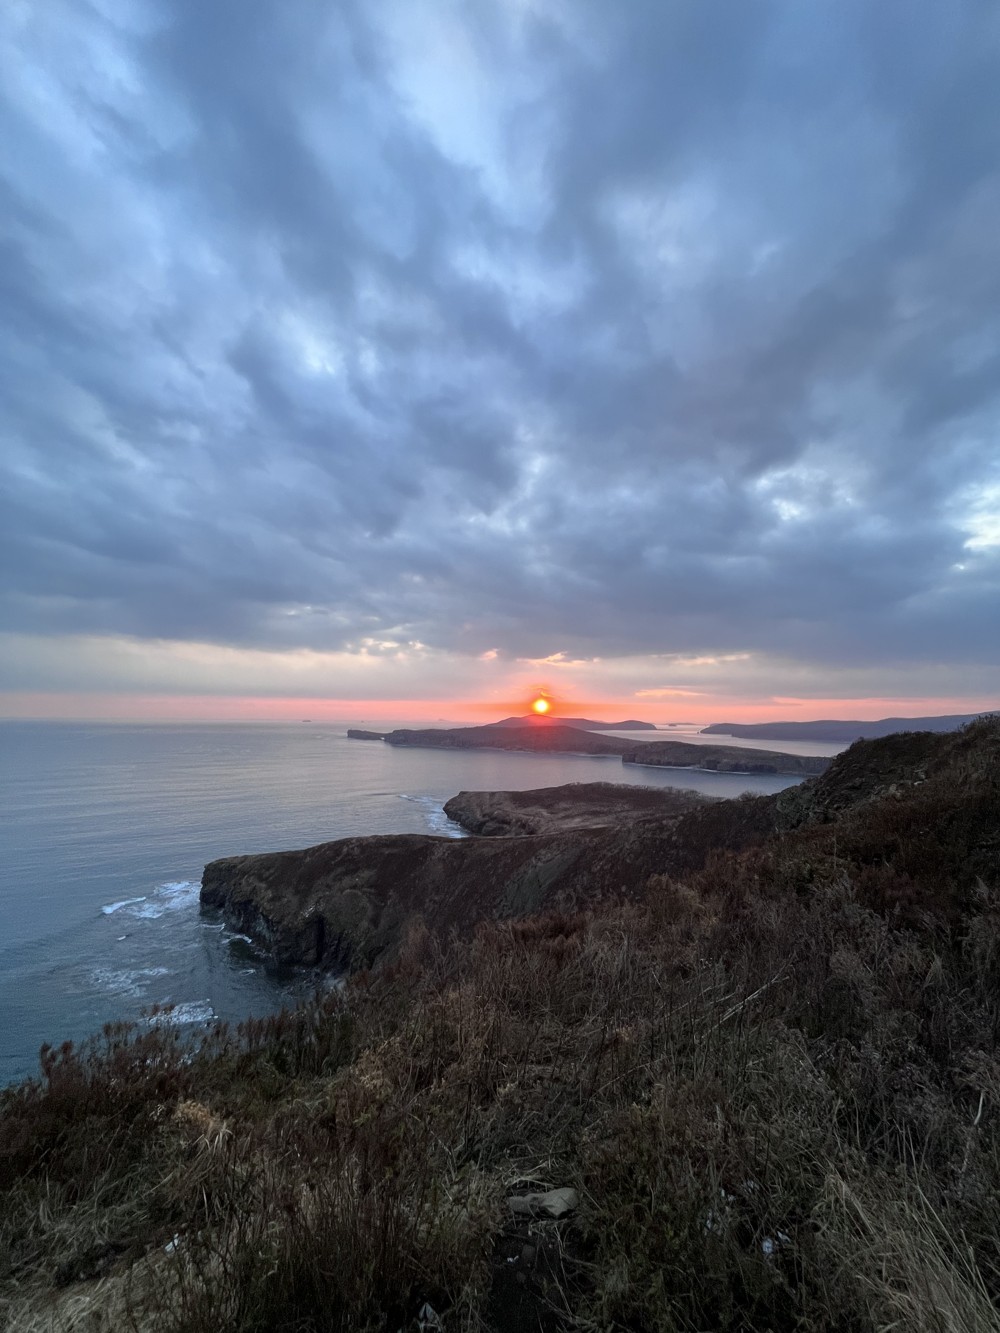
[(378, 713)]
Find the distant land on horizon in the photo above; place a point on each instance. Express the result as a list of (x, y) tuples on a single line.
[(583, 723), (558, 739), (837, 729)]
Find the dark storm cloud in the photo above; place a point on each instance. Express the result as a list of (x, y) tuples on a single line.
[(656, 328)]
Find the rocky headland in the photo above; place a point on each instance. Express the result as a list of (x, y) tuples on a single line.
[(723, 758), (572, 806), (348, 903)]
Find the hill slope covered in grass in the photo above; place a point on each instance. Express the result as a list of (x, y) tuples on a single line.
[(772, 1084), (838, 730)]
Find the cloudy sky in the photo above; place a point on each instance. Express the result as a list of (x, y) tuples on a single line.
[(410, 356)]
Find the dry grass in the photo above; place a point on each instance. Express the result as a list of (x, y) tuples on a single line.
[(774, 1086)]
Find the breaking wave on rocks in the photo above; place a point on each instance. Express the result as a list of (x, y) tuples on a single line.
[(169, 897), (438, 822), (178, 1015), (131, 982)]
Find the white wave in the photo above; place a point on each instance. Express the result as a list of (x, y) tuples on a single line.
[(171, 897), (129, 981), (437, 821), (168, 897), (190, 1011), (125, 902)]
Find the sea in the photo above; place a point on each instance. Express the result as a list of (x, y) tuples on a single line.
[(106, 828)]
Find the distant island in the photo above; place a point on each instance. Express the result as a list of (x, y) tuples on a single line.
[(558, 738), (836, 730), (529, 720), (584, 723)]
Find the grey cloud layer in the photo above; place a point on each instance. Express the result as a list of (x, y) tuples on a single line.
[(541, 327)]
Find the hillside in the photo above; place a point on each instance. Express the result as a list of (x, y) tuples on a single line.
[(836, 730), (575, 805), (756, 1089), (583, 723), (557, 737), (722, 758)]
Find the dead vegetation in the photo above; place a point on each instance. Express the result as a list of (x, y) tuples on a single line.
[(774, 1086)]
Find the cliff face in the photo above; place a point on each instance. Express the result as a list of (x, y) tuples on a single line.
[(346, 904)]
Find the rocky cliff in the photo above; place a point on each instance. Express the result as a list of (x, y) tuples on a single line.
[(346, 904), (920, 812)]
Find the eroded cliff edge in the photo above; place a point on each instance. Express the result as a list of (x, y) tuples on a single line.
[(346, 904), (918, 810), (573, 805)]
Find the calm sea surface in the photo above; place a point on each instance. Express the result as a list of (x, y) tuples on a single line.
[(105, 830)]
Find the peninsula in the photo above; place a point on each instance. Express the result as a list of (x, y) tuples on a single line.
[(348, 903), (560, 738), (837, 730)]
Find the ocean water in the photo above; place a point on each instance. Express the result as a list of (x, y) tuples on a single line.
[(106, 828)]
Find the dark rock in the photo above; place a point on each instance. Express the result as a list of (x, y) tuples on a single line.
[(553, 1203), (357, 735)]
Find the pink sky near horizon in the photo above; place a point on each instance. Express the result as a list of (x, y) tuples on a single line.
[(134, 707)]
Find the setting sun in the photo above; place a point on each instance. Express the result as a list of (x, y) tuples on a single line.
[(540, 706)]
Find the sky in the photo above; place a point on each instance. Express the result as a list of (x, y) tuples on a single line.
[(371, 358)]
